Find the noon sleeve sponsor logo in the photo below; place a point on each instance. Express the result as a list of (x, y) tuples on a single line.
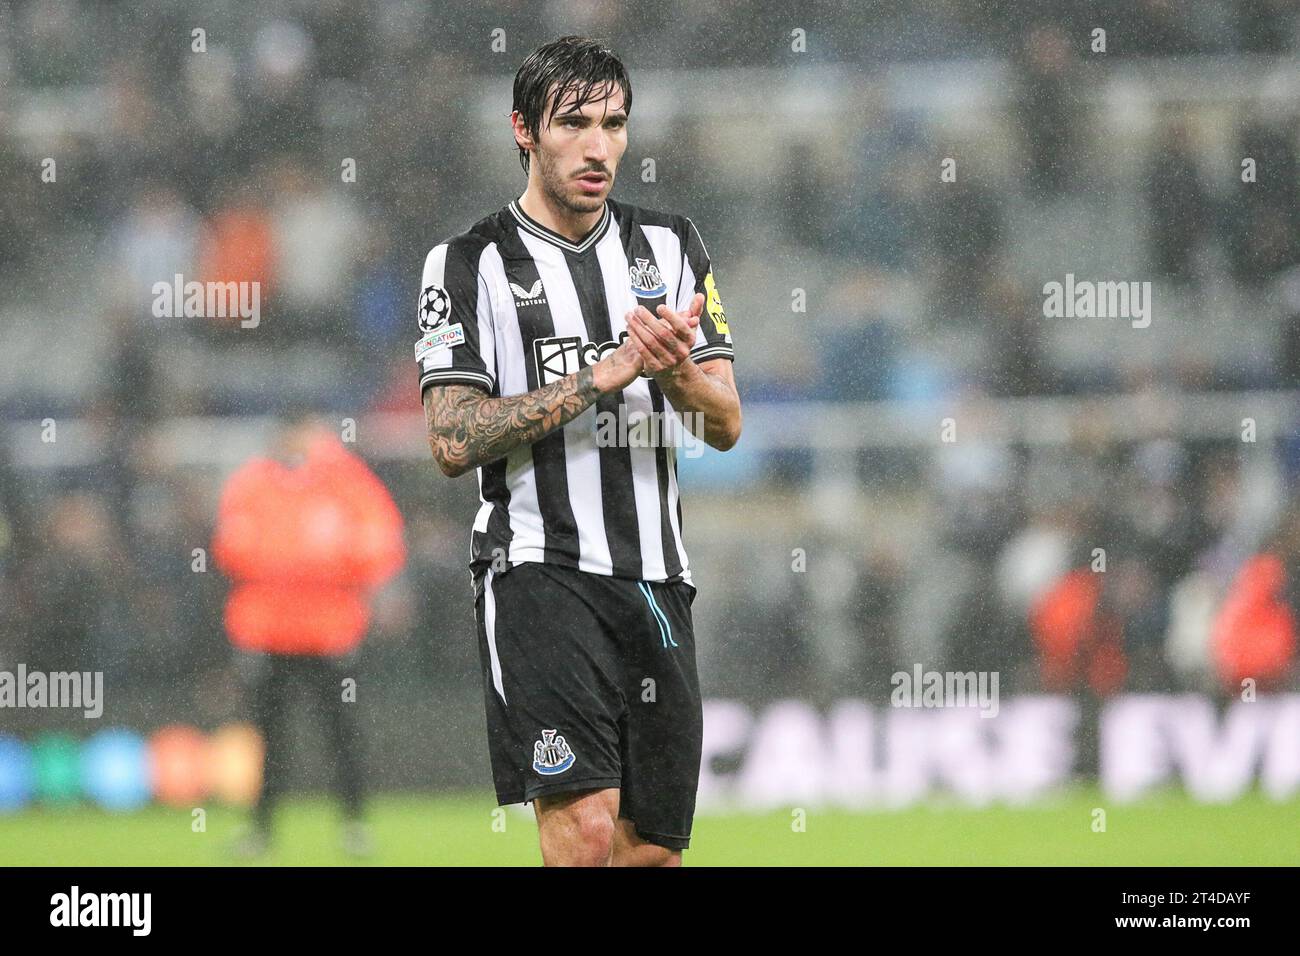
[(713, 305)]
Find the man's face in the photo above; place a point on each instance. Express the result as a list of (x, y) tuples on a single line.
[(578, 153)]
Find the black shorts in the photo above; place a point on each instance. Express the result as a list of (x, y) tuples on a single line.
[(590, 682)]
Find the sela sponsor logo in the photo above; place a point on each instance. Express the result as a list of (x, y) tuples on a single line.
[(651, 430), (72, 689), (103, 909), (1085, 299), (565, 354), (946, 689), (208, 300), (439, 340), (435, 308), (552, 754), (646, 281), (530, 296)]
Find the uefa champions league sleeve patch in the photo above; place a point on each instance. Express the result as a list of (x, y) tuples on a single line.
[(435, 308)]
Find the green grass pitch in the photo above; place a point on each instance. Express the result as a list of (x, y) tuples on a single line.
[(1168, 829)]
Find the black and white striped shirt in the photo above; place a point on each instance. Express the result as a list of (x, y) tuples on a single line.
[(510, 306)]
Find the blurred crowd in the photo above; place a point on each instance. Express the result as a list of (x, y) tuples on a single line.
[(321, 149), (1091, 568), (230, 165)]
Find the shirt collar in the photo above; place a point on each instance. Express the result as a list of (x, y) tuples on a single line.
[(531, 225)]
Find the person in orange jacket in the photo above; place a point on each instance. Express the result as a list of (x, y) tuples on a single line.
[(305, 536), (1079, 642), (1254, 632)]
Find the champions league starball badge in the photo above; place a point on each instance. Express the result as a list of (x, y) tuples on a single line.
[(435, 308)]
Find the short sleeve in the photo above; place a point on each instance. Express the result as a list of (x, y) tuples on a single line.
[(454, 320), (713, 337)]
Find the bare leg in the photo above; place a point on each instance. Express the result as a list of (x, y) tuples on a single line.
[(631, 850), (577, 829)]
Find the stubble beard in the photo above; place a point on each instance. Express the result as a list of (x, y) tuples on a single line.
[(559, 191)]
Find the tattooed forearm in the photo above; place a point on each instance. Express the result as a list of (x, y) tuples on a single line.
[(467, 428)]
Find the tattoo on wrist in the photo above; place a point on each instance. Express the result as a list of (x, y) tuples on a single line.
[(587, 383)]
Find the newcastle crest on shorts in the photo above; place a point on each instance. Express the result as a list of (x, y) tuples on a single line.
[(551, 754)]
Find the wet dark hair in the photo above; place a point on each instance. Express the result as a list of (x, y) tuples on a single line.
[(572, 65)]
